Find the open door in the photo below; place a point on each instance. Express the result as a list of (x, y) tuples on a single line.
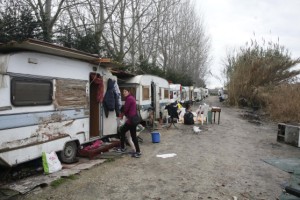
[(96, 82)]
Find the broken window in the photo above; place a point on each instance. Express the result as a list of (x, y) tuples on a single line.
[(71, 93)]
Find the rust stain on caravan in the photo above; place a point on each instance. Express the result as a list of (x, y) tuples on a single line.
[(55, 136), (48, 131), (55, 117), (45, 132), (70, 123), (20, 144)]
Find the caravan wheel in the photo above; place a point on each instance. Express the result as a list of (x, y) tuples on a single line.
[(68, 154)]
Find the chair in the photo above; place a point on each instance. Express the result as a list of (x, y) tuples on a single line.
[(173, 114), (203, 111)]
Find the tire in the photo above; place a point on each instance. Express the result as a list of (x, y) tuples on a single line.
[(68, 154)]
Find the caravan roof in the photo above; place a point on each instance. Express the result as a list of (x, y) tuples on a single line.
[(53, 49), (146, 79), (176, 87)]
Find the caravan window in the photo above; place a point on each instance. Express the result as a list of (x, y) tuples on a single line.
[(146, 93), (31, 92), (166, 93)]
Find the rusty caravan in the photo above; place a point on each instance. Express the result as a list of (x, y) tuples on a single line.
[(51, 100)]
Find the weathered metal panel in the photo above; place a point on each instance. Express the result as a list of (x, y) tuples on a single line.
[(23, 144), (36, 118), (49, 66), (24, 136)]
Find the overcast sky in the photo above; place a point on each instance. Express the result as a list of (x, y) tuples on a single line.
[(231, 23)]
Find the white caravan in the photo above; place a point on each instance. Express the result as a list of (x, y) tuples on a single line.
[(151, 92), (50, 101), (175, 92), (206, 92), (187, 94), (199, 94)]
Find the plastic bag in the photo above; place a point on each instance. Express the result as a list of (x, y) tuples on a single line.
[(51, 162)]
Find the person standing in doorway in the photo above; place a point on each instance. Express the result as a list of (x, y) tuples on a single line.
[(129, 111)]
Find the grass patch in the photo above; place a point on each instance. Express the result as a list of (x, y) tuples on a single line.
[(72, 177), (58, 182), (61, 181), (110, 159)]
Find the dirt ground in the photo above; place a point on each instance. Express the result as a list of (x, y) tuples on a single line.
[(221, 162)]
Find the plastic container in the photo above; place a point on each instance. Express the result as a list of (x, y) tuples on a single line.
[(209, 117), (155, 137)]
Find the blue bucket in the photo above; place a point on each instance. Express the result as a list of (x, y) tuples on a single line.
[(155, 137)]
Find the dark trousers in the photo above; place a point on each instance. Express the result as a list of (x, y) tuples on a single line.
[(126, 127)]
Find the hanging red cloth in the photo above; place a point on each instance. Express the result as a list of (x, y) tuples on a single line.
[(97, 79)]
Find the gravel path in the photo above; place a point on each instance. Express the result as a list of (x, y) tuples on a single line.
[(221, 162)]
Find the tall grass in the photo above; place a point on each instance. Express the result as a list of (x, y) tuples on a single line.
[(282, 103), (255, 73)]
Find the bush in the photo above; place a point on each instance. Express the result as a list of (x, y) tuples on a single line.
[(255, 69)]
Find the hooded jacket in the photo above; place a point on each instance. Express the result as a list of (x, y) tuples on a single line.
[(129, 108)]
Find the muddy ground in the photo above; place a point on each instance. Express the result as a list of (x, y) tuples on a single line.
[(224, 161)]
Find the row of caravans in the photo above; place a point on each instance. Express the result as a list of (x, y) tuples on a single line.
[(151, 92), (200, 93), (52, 99), (186, 94)]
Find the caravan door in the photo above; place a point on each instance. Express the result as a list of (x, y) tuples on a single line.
[(96, 81), (100, 123)]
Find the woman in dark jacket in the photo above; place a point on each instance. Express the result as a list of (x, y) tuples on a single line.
[(129, 111)]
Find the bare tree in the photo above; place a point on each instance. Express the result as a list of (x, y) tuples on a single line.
[(166, 34), (47, 13), (184, 45)]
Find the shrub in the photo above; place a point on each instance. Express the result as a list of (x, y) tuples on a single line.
[(282, 103), (255, 69)]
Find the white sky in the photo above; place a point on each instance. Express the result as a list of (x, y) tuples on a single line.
[(232, 23)]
